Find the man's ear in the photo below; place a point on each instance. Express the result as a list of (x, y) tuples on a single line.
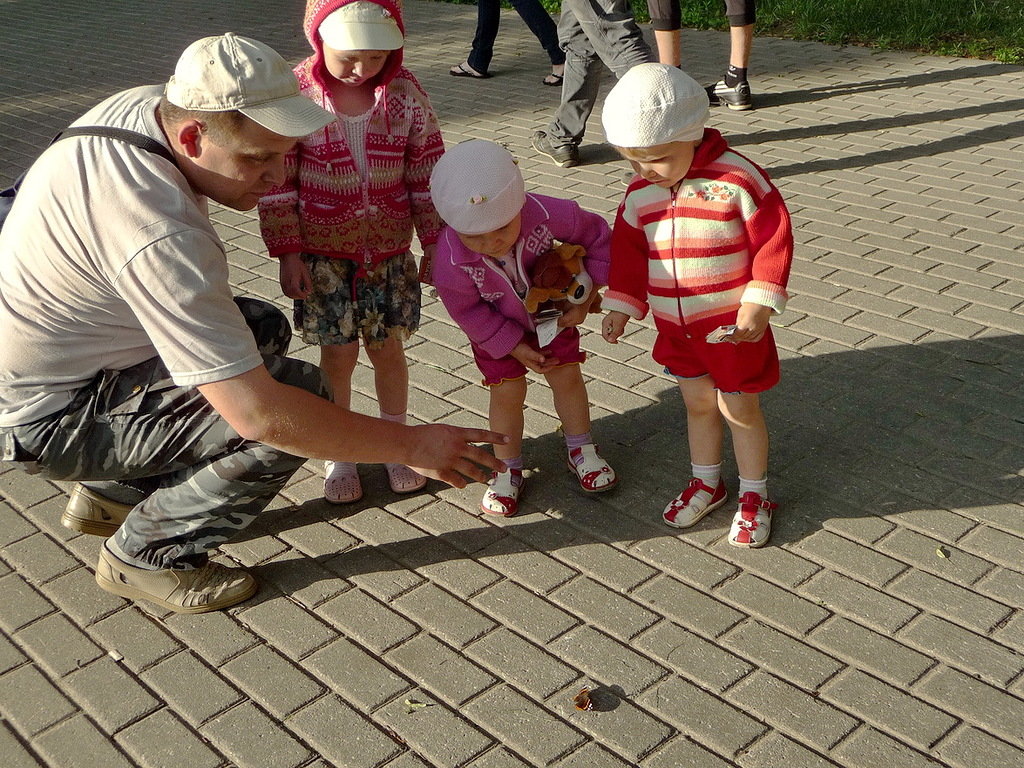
[(190, 137)]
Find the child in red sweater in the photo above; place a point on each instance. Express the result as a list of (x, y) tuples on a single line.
[(703, 241)]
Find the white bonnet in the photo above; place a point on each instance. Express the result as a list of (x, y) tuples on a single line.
[(477, 187), (654, 104)]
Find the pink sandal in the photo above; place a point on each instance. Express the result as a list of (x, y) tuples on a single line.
[(341, 482), (403, 479), (591, 470)]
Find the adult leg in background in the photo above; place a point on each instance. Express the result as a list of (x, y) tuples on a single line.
[(593, 34)]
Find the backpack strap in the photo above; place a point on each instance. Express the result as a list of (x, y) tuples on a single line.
[(120, 134), (104, 131)]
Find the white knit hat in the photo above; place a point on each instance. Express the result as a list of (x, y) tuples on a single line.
[(361, 26), (228, 72), (477, 187), (654, 104)]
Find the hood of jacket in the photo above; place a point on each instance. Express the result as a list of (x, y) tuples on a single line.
[(711, 147), (316, 12)]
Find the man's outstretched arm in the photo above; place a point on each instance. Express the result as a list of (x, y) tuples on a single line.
[(260, 408)]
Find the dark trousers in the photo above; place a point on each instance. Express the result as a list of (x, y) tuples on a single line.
[(532, 13)]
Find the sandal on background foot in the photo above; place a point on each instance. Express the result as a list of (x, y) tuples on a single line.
[(553, 79), (403, 479), (464, 70), (341, 482)]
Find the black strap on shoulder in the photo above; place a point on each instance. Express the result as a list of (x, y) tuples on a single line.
[(120, 134)]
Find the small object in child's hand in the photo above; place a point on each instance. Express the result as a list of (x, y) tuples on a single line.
[(547, 326), (720, 334), (582, 700), (551, 313)]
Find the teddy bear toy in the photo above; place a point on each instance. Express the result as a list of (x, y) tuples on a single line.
[(558, 278)]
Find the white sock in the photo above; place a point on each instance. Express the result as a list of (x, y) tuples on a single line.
[(760, 487), (709, 474)]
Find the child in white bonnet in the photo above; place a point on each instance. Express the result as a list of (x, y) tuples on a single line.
[(496, 232)]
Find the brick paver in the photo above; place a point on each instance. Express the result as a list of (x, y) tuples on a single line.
[(882, 626)]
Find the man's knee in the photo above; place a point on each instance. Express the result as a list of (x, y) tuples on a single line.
[(299, 373), (268, 324)]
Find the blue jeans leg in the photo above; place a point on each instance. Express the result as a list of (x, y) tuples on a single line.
[(488, 17), (539, 22)]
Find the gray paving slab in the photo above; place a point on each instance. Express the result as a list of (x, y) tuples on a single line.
[(882, 626)]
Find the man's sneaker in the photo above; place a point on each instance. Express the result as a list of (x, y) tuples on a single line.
[(752, 524), (89, 512), (502, 495), (737, 97), (695, 502), (210, 588), (565, 156)]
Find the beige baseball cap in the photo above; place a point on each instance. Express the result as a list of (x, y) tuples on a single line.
[(361, 26), (227, 72)]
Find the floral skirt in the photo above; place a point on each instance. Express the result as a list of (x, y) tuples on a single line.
[(342, 307)]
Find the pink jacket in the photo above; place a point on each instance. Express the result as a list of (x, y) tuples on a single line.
[(324, 206), (478, 294)]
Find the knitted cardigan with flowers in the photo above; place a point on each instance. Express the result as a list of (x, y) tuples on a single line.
[(724, 238), (325, 206)]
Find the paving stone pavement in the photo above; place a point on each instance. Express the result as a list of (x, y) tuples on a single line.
[(881, 627)]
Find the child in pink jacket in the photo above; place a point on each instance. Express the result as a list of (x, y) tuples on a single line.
[(484, 259)]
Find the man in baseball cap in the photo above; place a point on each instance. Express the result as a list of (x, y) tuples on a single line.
[(129, 367)]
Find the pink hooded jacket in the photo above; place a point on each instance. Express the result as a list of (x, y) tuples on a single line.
[(324, 206)]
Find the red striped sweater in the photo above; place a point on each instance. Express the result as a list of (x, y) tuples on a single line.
[(722, 239)]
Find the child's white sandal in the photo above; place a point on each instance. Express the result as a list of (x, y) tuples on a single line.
[(591, 470)]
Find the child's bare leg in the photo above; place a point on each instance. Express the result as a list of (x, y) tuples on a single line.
[(705, 492), (749, 433), (338, 361), (703, 420), (752, 523), (341, 479), (573, 408), (569, 394), (506, 416), (390, 376), (391, 382)]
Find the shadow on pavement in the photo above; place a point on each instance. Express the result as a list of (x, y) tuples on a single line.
[(892, 432)]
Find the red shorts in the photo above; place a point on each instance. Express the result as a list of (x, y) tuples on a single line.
[(746, 367), (565, 346)]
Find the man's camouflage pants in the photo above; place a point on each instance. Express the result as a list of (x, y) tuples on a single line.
[(204, 482)]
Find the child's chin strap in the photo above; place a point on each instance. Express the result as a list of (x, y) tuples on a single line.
[(580, 288)]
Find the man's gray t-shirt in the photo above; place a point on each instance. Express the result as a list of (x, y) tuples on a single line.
[(107, 259)]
